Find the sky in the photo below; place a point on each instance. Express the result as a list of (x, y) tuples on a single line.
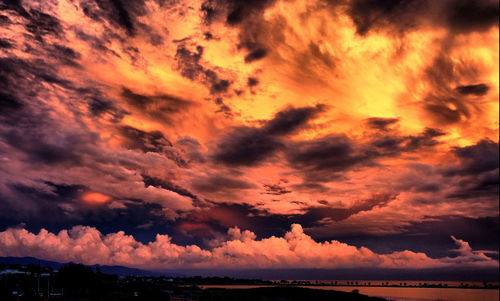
[(228, 134)]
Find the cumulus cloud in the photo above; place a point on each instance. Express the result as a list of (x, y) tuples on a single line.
[(242, 250), (466, 254)]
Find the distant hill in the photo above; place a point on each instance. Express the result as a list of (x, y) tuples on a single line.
[(108, 269)]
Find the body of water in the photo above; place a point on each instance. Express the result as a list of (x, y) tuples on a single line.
[(402, 293), (421, 293)]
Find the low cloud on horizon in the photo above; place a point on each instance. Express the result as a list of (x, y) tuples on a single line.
[(239, 250)]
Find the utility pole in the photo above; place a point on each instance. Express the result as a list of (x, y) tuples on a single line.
[(48, 287)]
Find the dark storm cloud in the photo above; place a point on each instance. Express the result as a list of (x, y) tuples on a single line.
[(255, 55), (392, 145), (374, 14), (252, 82), (478, 158), (485, 185), (9, 104), (162, 102), (166, 184), (240, 9), (478, 171), (29, 127), (217, 85), (246, 146), (381, 124), (154, 38), (65, 55), (478, 90), (37, 23), (14, 5), (310, 186), (99, 107), (248, 17), (325, 158), (4, 20), (314, 215), (188, 63), (191, 148), (404, 15), (234, 11), (123, 15), (6, 44), (152, 141), (249, 146), (44, 205), (292, 119), (158, 106), (471, 15), (219, 182), (97, 43), (445, 114), (424, 139), (41, 24), (388, 144), (120, 13), (276, 189), (42, 147), (15, 75)]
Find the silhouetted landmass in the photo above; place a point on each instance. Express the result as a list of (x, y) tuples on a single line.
[(77, 282), (114, 269)]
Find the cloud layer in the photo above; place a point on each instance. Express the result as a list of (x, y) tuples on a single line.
[(241, 250)]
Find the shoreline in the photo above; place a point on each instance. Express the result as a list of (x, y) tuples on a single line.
[(237, 286)]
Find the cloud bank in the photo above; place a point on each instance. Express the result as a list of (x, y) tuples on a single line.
[(241, 250)]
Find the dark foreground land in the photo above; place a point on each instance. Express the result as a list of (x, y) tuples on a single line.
[(280, 294), (75, 282)]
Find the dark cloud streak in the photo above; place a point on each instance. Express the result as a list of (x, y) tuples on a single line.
[(250, 146)]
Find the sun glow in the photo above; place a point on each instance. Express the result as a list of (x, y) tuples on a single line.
[(95, 198)]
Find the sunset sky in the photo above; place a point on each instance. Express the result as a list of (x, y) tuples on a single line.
[(233, 134)]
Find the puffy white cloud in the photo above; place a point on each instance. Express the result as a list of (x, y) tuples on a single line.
[(242, 250)]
